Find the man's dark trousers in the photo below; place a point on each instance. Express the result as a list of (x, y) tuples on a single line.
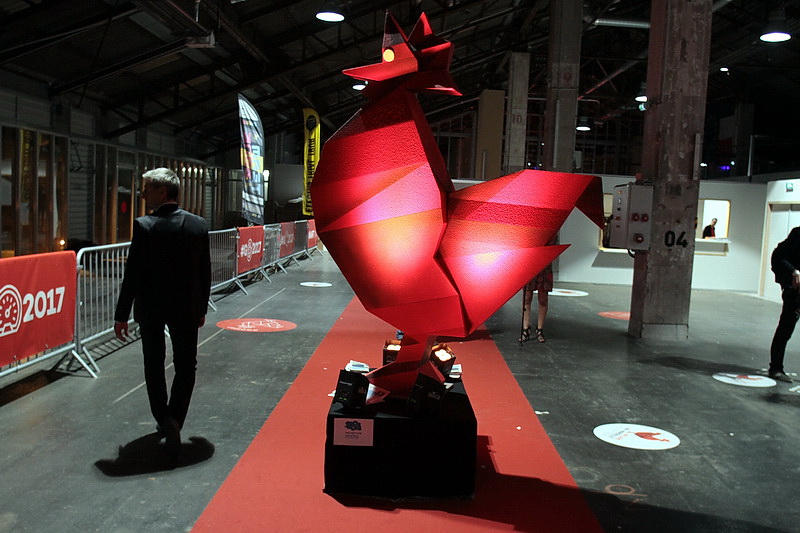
[(184, 335), (786, 325)]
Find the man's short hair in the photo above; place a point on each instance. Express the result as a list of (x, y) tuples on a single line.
[(164, 177)]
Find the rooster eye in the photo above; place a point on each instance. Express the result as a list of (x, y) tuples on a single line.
[(388, 55)]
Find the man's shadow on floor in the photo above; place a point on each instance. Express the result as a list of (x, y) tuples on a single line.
[(148, 454)]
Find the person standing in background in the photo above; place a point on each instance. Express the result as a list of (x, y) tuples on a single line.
[(542, 283), (709, 232)]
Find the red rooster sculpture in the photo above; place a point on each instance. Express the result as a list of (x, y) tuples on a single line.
[(420, 255)]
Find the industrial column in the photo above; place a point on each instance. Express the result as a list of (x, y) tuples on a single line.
[(514, 159), (677, 73), (563, 65)]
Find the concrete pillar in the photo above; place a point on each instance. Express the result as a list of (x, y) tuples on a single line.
[(516, 112), (489, 141), (677, 73), (563, 68)]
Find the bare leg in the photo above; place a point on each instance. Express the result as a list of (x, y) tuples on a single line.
[(527, 296), (543, 303)]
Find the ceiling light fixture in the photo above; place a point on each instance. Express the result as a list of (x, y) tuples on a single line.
[(641, 96), (330, 12), (583, 124), (359, 86), (775, 32)]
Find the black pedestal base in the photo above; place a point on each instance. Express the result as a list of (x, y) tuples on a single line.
[(382, 451)]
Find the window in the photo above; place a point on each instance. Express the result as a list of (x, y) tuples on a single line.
[(707, 211)]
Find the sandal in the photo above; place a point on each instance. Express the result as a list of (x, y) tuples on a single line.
[(524, 335), (540, 335)]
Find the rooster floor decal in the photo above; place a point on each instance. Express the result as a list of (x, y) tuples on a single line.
[(427, 259)]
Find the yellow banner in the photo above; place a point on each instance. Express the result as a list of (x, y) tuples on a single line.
[(311, 150)]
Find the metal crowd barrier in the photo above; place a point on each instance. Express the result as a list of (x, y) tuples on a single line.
[(100, 270), (223, 259), (272, 247), (63, 351)]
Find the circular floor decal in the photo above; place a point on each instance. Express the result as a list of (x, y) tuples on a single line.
[(745, 380), (256, 325), (568, 292), (617, 315), (315, 284), (636, 436)]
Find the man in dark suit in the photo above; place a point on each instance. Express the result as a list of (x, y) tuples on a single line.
[(785, 263), (167, 281)]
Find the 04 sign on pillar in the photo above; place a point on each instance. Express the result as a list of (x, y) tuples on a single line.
[(675, 238)]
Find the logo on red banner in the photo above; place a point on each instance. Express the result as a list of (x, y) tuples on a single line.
[(251, 249), (37, 304)]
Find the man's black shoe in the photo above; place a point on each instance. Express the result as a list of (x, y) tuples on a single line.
[(172, 433), (780, 376)]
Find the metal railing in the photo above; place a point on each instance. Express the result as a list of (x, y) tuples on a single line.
[(100, 273), (223, 258), (100, 270)]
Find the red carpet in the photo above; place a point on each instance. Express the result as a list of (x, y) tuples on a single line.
[(522, 484)]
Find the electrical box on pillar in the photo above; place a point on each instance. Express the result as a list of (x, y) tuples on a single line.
[(631, 212)]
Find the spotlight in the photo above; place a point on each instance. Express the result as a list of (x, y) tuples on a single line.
[(442, 358), (330, 12), (391, 349), (775, 32), (641, 96)]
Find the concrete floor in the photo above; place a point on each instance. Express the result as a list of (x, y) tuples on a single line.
[(736, 468)]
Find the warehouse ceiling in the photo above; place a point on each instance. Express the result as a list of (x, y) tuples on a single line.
[(183, 62)]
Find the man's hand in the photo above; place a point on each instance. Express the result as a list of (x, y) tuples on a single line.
[(202, 322), (121, 330)]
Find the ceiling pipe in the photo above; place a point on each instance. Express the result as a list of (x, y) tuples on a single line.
[(643, 24), (622, 23), (627, 65)]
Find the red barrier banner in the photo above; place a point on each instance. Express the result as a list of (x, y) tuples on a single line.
[(312, 233), (37, 304), (287, 239), (251, 248)]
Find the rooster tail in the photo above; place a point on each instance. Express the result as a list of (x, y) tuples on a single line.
[(590, 202)]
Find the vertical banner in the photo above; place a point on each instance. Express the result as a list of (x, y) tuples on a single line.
[(37, 304), (252, 157), (251, 240), (311, 149)]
